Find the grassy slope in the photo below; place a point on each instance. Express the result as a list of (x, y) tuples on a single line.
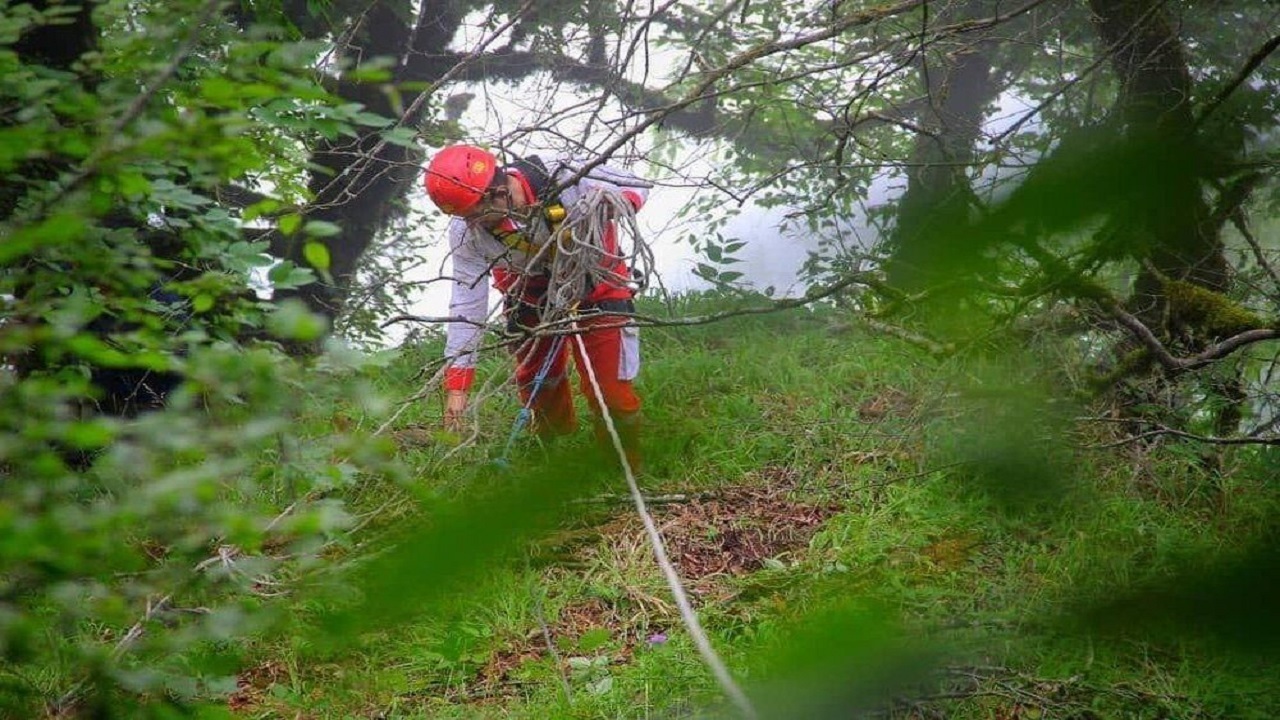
[(855, 493)]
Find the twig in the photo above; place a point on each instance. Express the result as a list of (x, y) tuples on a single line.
[(538, 613), (1162, 355), (1254, 61), (565, 326), (224, 555), (1238, 219), (1161, 430), (369, 157), (125, 643), (613, 498), (1088, 71), (430, 319), (931, 346)]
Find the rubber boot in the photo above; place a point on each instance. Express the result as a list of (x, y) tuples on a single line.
[(628, 427), (553, 412)]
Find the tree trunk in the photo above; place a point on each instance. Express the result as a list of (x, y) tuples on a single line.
[(360, 184), (939, 196), (1177, 233), (1179, 237)]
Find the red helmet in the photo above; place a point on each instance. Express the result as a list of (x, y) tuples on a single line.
[(458, 176)]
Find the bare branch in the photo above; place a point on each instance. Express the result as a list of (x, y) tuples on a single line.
[(1238, 219), (1093, 67), (1166, 359), (1164, 430), (1252, 64)]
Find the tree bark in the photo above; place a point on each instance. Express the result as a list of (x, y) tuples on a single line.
[(359, 184), (1177, 234), (939, 196)]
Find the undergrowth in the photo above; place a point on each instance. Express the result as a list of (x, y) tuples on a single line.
[(863, 527)]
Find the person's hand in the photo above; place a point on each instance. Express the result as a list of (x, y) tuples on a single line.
[(455, 404)]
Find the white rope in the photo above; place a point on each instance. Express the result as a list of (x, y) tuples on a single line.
[(687, 613), (576, 259)]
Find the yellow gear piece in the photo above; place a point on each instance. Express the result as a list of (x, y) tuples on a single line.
[(554, 214), (516, 241)]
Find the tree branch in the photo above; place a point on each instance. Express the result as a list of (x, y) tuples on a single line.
[(1162, 430), (1252, 64), (1238, 219), (1215, 352)]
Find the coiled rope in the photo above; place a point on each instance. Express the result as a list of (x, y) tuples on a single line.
[(581, 262), (574, 257)]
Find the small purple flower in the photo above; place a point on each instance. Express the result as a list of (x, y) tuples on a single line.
[(657, 638)]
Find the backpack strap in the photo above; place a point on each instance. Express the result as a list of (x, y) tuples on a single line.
[(535, 171)]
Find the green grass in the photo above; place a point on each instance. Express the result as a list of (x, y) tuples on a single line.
[(968, 529)]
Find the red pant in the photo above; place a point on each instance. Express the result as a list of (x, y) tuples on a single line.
[(614, 356)]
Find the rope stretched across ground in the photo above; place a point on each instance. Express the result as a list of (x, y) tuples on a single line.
[(687, 614), (577, 260)]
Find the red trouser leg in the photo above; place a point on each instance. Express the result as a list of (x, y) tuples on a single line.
[(553, 405), (613, 354)]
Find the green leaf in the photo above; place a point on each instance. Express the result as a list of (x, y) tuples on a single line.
[(317, 255), (132, 184), (56, 230), (290, 223), (369, 75), (593, 639), (402, 136), (322, 229), (202, 303), (167, 193), (219, 90), (371, 119), (260, 208), (89, 435), (98, 352), (292, 320), (287, 275)]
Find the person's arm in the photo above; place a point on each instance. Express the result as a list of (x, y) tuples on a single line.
[(468, 301), (615, 180)]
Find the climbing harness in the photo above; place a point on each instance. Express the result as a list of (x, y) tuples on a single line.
[(553, 214)]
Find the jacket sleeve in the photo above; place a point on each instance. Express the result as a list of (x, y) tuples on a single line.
[(469, 301), (609, 178)]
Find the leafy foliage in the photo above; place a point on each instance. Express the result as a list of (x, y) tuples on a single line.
[(167, 475), (144, 386)]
